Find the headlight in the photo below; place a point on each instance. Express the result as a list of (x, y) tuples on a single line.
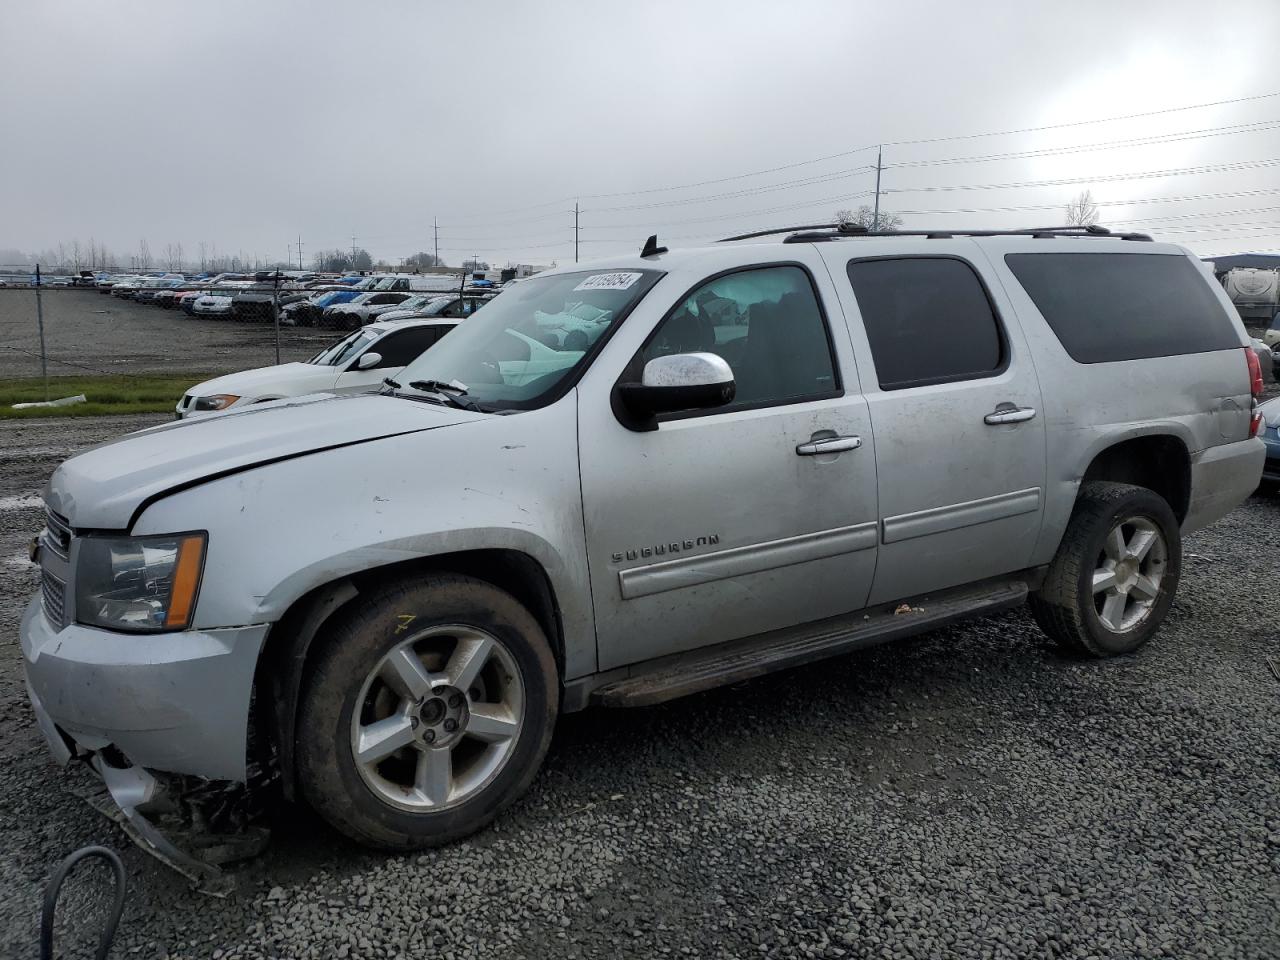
[(139, 584), (218, 401)]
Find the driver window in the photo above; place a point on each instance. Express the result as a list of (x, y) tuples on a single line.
[(767, 326)]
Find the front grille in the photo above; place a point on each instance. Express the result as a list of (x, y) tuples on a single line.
[(57, 534), (54, 594)]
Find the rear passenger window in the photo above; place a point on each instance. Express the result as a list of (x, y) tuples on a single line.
[(928, 320), (1125, 306)]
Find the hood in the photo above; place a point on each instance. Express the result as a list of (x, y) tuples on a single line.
[(104, 487), (268, 380)]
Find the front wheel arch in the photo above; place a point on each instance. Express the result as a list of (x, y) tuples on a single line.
[(282, 662)]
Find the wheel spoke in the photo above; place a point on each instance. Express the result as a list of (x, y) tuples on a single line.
[(468, 659), (1144, 588), (491, 722), (1113, 609), (1115, 545), (1140, 544), (404, 673), (433, 776), (1103, 580), (383, 738)]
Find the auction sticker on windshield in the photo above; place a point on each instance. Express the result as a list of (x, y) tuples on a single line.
[(609, 281)]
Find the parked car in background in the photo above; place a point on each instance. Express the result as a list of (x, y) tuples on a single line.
[(105, 284), (147, 291), (348, 316), (1270, 433), (377, 304), (306, 313), (355, 364), (439, 306), (213, 305)]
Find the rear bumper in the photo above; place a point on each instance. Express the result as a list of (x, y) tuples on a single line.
[(1222, 478), (176, 702)]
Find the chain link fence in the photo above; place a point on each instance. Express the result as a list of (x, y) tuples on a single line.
[(146, 326)]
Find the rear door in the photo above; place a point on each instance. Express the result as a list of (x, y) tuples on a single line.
[(955, 405)]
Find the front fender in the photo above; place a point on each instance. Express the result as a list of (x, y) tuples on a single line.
[(278, 531)]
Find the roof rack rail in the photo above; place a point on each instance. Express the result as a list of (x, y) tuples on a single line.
[(837, 231), (849, 229)]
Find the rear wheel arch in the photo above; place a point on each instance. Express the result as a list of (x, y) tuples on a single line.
[(283, 663), (1160, 462)]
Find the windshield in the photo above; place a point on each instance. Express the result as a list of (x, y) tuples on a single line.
[(435, 306), (513, 354), (339, 353)]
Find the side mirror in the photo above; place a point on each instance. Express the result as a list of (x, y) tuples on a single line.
[(681, 381), (368, 359)]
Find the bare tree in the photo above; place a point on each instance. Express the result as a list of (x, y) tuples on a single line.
[(144, 255), (173, 257), (77, 255), (1082, 211), (865, 216)]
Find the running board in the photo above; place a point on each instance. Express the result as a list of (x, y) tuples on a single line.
[(684, 673)]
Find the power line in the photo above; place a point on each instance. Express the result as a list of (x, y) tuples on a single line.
[(1106, 178), (1261, 126), (1234, 194), (1082, 123)]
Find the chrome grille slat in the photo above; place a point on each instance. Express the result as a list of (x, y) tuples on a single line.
[(54, 593), (57, 534)]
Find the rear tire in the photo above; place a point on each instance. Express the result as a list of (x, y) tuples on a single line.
[(1114, 576), (461, 676)]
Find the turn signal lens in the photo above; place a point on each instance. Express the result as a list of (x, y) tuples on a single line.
[(186, 579)]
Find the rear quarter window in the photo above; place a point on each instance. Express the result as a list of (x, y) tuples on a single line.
[(1105, 307)]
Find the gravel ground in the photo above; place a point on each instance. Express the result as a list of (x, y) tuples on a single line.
[(968, 794), (85, 330)]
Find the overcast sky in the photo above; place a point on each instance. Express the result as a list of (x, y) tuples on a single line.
[(245, 124)]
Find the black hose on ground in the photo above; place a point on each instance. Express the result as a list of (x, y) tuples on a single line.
[(55, 886)]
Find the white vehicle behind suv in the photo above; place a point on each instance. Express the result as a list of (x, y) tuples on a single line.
[(629, 481), (358, 363)]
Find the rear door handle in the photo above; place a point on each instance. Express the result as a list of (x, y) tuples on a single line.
[(1008, 413), (828, 445)]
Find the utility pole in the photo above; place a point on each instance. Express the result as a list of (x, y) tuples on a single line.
[(435, 230), (875, 217), (299, 251), (575, 231)]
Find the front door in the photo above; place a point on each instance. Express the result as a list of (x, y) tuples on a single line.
[(955, 405), (737, 520)]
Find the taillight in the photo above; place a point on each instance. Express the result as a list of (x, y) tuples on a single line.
[(1255, 372), (1255, 389)]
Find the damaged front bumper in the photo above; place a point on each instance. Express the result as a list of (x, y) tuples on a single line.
[(176, 702), (163, 719)]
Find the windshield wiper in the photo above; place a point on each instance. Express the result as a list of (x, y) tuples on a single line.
[(388, 382), (454, 394), (440, 386)]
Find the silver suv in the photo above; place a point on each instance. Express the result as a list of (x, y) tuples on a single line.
[(626, 482)]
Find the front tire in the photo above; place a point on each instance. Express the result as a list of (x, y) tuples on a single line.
[(428, 709), (1114, 576)]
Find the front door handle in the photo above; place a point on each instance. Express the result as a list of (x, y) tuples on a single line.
[(828, 445), (1008, 413)]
